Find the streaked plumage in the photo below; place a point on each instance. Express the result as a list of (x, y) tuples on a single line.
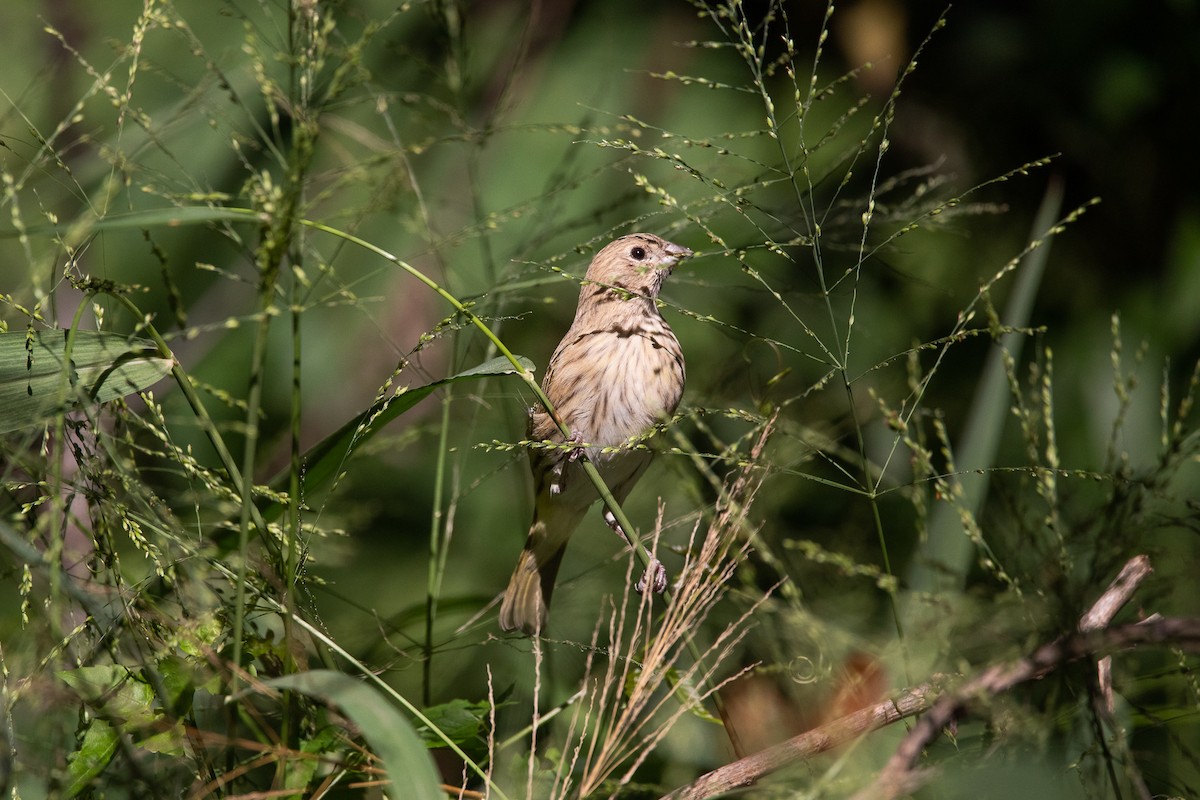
[(616, 372)]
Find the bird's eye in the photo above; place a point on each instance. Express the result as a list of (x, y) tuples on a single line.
[(638, 253)]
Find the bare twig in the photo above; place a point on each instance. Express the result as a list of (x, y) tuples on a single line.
[(1099, 615), (900, 775), (1117, 594), (1103, 610), (750, 769)]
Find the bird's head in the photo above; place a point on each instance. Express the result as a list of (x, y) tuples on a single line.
[(637, 264)]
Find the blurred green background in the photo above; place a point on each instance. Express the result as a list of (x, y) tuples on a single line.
[(496, 145)]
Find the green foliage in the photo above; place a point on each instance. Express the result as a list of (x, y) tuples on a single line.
[(390, 735), (331, 227), (325, 461), (122, 705), (462, 722), (37, 384)]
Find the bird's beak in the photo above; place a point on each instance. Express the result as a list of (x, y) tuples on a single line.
[(677, 253)]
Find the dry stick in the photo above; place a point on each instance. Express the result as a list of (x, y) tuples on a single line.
[(1098, 616), (747, 771), (1117, 594), (899, 776), (1103, 610)]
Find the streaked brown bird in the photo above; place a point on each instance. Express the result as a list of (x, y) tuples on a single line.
[(616, 372)]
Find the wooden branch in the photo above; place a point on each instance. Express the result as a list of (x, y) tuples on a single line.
[(900, 776), (1102, 612), (1117, 594), (746, 771)]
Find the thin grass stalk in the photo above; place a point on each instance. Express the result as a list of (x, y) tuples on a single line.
[(299, 34), (603, 690), (580, 719), (433, 579), (491, 735), (205, 420), (531, 761), (278, 239), (626, 735), (56, 536), (295, 499), (617, 678)]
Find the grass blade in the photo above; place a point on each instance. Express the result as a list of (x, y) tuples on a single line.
[(946, 556), (327, 458), (36, 384), (390, 735)]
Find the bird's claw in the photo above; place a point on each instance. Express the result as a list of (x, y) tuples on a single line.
[(655, 577), (611, 521), (577, 448)]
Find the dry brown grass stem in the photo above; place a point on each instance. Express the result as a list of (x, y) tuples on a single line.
[(643, 690)]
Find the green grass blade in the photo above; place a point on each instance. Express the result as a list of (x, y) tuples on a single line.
[(35, 383), (943, 560), (389, 734), (328, 457)]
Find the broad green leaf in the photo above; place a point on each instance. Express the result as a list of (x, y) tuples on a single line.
[(328, 457), (36, 383), (126, 700), (178, 683), (389, 734), (175, 217), (97, 749), (121, 695), (462, 721), (172, 217)]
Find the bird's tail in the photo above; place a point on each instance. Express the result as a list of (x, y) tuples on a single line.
[(526, 603)]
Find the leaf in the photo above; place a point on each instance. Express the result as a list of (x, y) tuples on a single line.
[(36, 384), (126, 700), (462, 721), (389, 734), (178, 683), (97, 749), (121, 695), (299, 772), (170, 217), (328, 457)]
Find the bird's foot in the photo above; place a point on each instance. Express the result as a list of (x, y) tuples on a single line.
[(577, 448), (654, 577), (611, 521)]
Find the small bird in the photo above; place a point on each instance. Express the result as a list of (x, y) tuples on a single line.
[(616, 372)]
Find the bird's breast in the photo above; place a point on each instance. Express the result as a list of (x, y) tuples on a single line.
[(629, 378)]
